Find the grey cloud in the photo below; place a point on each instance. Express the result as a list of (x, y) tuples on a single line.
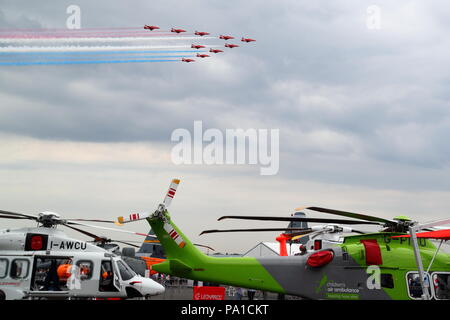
[(315, 66)]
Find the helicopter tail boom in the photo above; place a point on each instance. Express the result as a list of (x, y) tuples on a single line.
[(185, 260)]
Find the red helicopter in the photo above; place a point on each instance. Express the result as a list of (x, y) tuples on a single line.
[(197, 46), (225, 37), (215, 50), (201, 33), (202, 55), (151, 28), (187, 60), (247, 40), (231, 45), (177, 30)]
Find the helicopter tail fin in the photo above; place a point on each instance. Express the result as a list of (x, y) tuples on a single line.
[(180, 253), (184, 260)]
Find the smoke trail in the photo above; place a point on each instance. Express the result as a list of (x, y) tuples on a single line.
[(76, 31), (28, 49), (25, 63), (84, 58), (69, 30), (81, 35), (78, 53), (23, 47), (98, 39)]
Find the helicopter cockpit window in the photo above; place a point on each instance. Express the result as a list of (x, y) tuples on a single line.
[(3, 268), (441, 285), (414, 286), (19, 269), (125, 273)]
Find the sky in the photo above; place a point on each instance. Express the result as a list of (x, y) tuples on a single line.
[(363, 115)]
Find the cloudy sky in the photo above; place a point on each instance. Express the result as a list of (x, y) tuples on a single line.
[(363, 115)]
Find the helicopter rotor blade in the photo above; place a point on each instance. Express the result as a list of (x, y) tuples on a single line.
[(256, 230), (306, 219), (127, 243), (171, 192), (358, 231), (92, 220), (297, 235), (164, 205), (14, 217), (29, 216), (107, 240), (300, 234), (105, 228), (203, 246), (314, 233), (350, 215), (96, 238), (317, 233)]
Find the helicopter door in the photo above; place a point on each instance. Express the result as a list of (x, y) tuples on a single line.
[(109, 279), (116, 276)]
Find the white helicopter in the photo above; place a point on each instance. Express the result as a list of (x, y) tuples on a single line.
[(43, 262)]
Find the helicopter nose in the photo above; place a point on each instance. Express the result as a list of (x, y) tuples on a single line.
[(156, 288), (160, 289)]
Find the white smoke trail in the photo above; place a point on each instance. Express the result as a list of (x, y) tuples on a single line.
[(12, 49), (95, 39)]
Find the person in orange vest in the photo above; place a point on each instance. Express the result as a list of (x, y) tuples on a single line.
[(106, 277), (64, 271), (84, 271)]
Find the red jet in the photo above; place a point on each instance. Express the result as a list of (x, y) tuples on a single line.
[(197, 46), (247, 40), (225, 37), (231, 45), (202, 55), (151, 28), (187, 60), (215, 50), (201, 33), (177, 30)]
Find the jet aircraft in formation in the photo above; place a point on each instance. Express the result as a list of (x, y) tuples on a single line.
[(198, 46)]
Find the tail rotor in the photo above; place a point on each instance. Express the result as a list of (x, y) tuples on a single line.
[(161, 207)]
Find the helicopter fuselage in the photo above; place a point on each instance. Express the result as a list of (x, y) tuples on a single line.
[(46, 263), (372, 266)]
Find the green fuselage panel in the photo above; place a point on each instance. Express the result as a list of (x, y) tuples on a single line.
[(188, 262)]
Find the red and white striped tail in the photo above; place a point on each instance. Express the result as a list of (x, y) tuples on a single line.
[(174, 235), (171, 192), (133, 217)]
